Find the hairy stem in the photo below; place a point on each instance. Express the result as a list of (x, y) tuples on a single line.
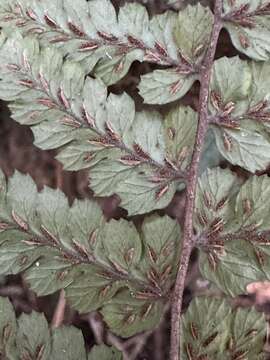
[(188, 240)]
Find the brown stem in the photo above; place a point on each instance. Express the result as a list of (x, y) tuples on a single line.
[(188, 240)]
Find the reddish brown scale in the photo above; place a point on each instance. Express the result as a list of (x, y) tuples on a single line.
[(58, 39), (240, 355), (7, 18), (230, 124), (246, 22), (103, 292), (61, 275), (247, 206), (122, 49), (105, 275), (144, 295), (88, 46), (88, 119), (167, 248), (251, 333), (189, 351), (130, 319), (216, 223), (161, 49), (118, 68), (241, 10), (212, 260), (166, 273), (119, 268), (25, 62), (202, 219), (49, 21), (76, 30), (216, 100), (146, 311), (80, 249), (19, 221), (135, 42), (171, 164), (153, 279), (44, 82), (152, 254), (93, 238), (111, 132), (13, 67), (20, 23), (258, 107), (46, 102), (101, 141), (63, 99), (23, 260), (227, 142), (107, 37), (182, 155), (70, 122), (228, 108), (35, 30), (263, 9), (222, 202), (39, 352), (199, 50), (140, 152), (184, 60), (210, 339), (89, 156), (207, 199), (3, 226), (49, 236), (175, 87), (7, 331), (31, 14), (171, 133), (194, 331), (130, 160), (260, 256), (27, 83), (128, 256), (244, 41)]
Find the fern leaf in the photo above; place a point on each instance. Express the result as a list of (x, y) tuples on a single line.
[(61, 247), (233, 227), (29, 337), (126, 151), (213, 330), (92, 33)]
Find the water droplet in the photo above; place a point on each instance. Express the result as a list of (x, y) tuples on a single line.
[(37, 263)]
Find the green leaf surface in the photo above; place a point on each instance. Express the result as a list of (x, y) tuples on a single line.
[(249, 27), (127, 316), (193, 44), (30, 337), (124, 150), (94, 35), (233, 237), (240, 112), (56, 246), (213, 330), (68, 344), (103, 352), (164, 86), (33, 336)]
